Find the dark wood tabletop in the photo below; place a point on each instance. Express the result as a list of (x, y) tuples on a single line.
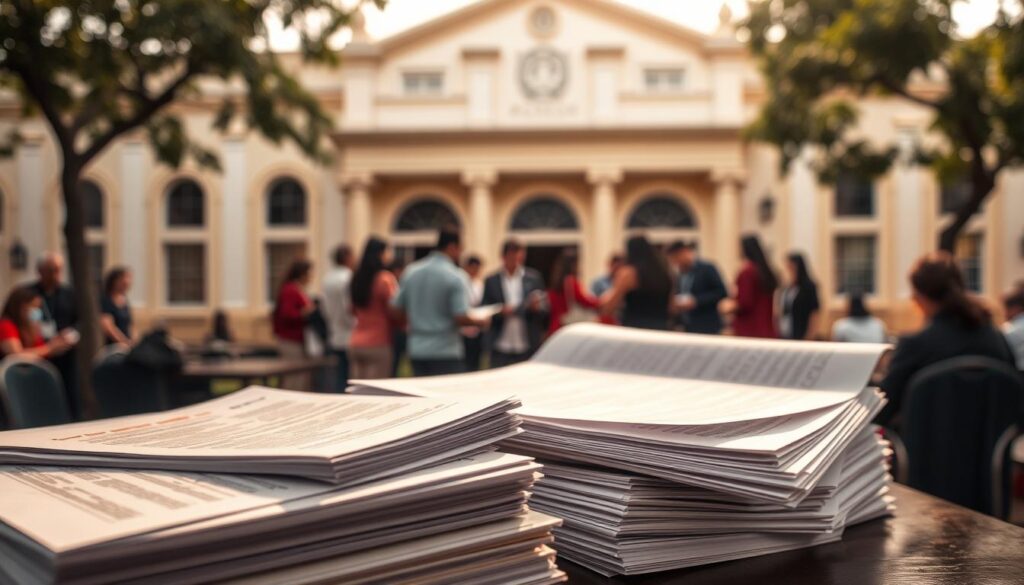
[(252, 368), (928, 542)]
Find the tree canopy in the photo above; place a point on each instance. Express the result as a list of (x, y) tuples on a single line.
[(98, 69), (819, 56)]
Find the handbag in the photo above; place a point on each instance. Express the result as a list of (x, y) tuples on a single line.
[(574, 312)]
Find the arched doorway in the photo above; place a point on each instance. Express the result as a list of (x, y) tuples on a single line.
[(414, 230), (547, 226), (663, 217)]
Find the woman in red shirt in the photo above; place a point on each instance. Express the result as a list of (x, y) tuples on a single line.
[(566, 292), (754, 305), (20, 333), (291, 312), (373, 286)]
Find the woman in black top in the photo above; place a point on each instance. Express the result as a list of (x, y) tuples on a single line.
[(800, 307), (956, 325), (642, 288), (115, 312)]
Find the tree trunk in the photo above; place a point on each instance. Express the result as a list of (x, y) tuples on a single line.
[(982, 187), (86, 298)]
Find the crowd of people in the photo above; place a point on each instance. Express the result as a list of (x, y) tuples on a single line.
[(446, 316)]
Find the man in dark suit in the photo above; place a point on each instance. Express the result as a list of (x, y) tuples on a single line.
[(59, 314), (699, 288), (515, 331)]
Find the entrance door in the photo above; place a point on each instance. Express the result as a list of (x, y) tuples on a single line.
[(542, 258)]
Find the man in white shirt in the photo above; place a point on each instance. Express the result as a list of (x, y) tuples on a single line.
[(337, 309), (1013, 329), (517, 329), (472, 337)]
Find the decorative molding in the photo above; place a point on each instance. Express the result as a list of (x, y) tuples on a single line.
[(479, 177), (601, 176), (736, 176)]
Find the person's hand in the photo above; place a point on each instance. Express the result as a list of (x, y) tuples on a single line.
[(686, 303), (507, 310), (727, 306), (484, 323), (59, 345), (535, 299)]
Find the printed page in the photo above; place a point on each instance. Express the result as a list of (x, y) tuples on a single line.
[(87, 506), (572, 393), (255, 422), (803, 365)]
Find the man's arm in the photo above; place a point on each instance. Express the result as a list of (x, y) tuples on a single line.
[(715, 291)]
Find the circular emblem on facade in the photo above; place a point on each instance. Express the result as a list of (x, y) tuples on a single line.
[(543, 23), (543, 73)]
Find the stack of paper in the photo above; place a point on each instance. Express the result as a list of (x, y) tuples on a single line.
[(343, 440), (706, 448), (466, 516)]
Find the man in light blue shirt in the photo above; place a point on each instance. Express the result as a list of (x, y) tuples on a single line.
[(433, 297)]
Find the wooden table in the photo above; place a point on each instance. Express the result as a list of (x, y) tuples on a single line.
[(928, 542), (252, 370)]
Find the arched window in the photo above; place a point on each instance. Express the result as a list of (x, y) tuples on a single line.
[(414, 229), (184, 244), (543, 213), (93, 204), (185, 204), (287, 236), (286, 203), (662, 211), (426, 215)]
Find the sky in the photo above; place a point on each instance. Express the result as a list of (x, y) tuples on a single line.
[(702, 15), (698, 14)]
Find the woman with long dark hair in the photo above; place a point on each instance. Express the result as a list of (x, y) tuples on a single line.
[(292, 310), (20, 330), (753, 305), (642, 288), (568, 302), (955, 325), (799, 306), (115, 310), (859, 325), (373, 286)]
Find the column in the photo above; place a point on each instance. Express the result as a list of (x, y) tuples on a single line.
[(604, 236), (135, 240), (332, 224), (235, 234), (727, 220), (478, 238), (31, 219), (357, 186)]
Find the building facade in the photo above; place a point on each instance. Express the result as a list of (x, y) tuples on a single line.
[(563, 123)]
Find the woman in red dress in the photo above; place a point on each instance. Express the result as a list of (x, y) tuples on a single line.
[(566, 292), (292, 310), (20, 332), (754, 305)]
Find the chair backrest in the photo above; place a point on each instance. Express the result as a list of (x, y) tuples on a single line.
[(123, 387), (959, 417), (32, 393)]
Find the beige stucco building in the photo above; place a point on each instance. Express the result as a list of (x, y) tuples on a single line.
[(560, 122)]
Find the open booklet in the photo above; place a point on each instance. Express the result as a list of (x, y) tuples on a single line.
[(341, 439), (604, 374)]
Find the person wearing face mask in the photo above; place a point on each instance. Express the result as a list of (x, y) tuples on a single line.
[(21, 331)]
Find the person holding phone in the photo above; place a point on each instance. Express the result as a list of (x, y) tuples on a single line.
[(517, 330), (21, 329)]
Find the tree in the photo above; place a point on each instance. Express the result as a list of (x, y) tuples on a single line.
[(98, 69), (817, 54)]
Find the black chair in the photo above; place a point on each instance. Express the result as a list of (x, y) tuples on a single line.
[(123, 387), (959, 420), (32, 393)]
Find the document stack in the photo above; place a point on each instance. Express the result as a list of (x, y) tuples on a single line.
[(137, 500), (667, 450)]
